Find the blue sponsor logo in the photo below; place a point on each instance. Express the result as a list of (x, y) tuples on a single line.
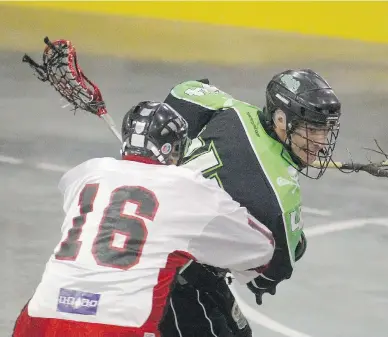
[(77, 302)]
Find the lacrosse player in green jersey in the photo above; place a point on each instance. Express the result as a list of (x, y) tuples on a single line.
[(256, 155)]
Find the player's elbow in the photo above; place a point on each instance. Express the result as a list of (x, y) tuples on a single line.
[(264, 237), (265, 258), (267, 245), (269, 251)]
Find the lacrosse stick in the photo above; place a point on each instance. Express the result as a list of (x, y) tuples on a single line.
[(378, 169), (60, 68)]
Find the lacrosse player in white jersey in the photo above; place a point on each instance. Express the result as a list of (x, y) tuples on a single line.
[(130, 226)]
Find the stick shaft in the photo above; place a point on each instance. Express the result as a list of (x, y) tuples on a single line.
[(111, 124), (346, 166)]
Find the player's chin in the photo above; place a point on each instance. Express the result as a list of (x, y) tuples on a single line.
[(307, 157)]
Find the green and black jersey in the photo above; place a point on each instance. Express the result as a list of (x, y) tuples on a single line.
[(230, 146)]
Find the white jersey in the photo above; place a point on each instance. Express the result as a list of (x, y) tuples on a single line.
[(128, 227)]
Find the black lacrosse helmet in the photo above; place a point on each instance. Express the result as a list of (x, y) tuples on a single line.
[(154, 130), (306, 99)]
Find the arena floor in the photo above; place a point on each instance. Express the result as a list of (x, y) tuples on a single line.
[(339, 289)]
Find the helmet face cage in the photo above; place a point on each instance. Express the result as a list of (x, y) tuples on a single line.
[(323, 156), (311, 107), (154, 130)]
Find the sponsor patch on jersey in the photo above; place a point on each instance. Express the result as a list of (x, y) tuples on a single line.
[(77, 302)]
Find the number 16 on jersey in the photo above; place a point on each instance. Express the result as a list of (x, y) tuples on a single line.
[(114, 222)]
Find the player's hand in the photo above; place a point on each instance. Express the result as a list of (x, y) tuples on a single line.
[(259, 296), (261, 285), (277, 271)]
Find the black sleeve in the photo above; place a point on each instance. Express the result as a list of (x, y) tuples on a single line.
[(280, 267), (196, 116)]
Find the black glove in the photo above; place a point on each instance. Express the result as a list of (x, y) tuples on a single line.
[(261, 285), (265, 284)]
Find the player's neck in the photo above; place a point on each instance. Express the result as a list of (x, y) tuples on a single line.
[(141, 159)]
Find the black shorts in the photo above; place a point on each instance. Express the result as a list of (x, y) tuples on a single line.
[(209, 310)]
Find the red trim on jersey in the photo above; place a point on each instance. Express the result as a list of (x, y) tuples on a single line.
[(27, 326), (162, 289), (141, 159), (262, 229), (261, 269), (268, 234)]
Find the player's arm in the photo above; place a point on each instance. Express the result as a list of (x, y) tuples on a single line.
[(181, 98), (234, 241), (281, 265)]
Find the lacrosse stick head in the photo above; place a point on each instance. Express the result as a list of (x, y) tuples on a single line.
[(377, 168), (61, 69)]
